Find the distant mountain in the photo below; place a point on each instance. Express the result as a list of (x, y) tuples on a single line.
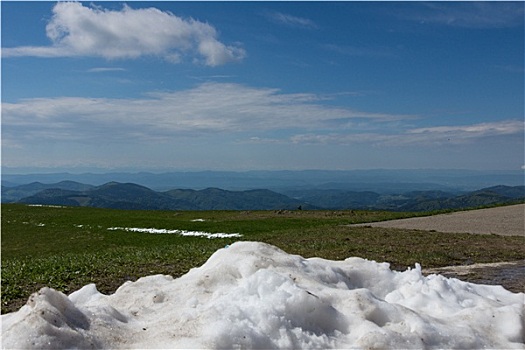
[(376, 180), (15, 193), (410, 201), (132, 196), (506, 191), (6, 183), (217, 199), (483, 197), (111, 195), (337, 199), (55, 196)]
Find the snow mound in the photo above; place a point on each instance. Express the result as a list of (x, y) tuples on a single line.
[(253, 295)]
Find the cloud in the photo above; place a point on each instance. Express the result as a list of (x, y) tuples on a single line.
[(77, 30), (506, 127), (219, 125), (204, 109), (257, 115), (106, 69), (333, 138), (291, 21), (428, 136), (475, 14)]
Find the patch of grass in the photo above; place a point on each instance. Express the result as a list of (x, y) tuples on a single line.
[(401, 248), (66, 248)]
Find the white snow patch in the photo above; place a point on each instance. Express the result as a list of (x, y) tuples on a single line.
[(45, 205), (198, 220), (253, 295), (161, 231)]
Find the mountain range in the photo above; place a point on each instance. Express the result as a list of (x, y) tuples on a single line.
[(133, 196), (411, 200), (377, 180)]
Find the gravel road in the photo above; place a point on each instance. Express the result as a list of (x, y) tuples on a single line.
[(506, 221)]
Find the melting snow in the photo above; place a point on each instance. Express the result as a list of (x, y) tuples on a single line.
[(253, 295), (45, 205), (160, 231)]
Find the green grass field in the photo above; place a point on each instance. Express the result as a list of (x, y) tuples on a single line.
[(66, 248)]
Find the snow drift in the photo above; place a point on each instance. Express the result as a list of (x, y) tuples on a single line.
[(253, 295)]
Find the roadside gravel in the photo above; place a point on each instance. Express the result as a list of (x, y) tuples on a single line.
[(506, 221)]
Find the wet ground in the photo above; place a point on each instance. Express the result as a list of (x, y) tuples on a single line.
[(510, 275)]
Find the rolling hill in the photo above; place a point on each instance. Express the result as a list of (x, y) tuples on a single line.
[(132, 196), (483, 197), (16, 192), (412, 200)]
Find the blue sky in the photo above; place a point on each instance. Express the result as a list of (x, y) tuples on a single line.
[(262, 85)]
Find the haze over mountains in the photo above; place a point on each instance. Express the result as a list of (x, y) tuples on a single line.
[(385, 190), (378, 180)]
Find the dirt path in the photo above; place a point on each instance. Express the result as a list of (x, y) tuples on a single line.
[(506, 221)]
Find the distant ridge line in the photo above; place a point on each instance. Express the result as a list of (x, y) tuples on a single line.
[(134, 196)]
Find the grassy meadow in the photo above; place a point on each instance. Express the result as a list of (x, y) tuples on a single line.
[(68, 247)]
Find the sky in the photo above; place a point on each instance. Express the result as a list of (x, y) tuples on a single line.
[(156, 86)]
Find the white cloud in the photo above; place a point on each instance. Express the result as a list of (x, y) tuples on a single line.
[(77, 30), (472, 14), (292, 21), (207, 108), (339, 139), (105, 69), (428, 136), (257, 115), (216, 53), (505, 127)]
